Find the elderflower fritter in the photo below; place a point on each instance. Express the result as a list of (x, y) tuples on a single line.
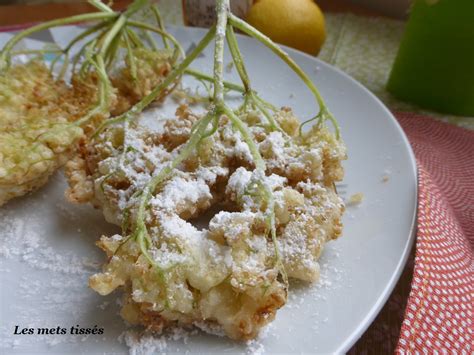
[(42, 117), (37, 115), (226, 272), (35, 135)]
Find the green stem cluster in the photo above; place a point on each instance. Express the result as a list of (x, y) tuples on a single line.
[(103, 42), (118, 30), (221, 32), (323, 113)]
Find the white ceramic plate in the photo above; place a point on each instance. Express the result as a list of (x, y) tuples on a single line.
[(47, 246)]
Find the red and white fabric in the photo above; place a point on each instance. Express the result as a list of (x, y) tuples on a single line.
[(434, 296), (439, 311)]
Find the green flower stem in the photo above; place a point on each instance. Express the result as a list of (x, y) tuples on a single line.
[(141, 229), (132, 35), (244, 27), (160, 24), (82, 52), (239, 64), (264, 103), (76, 39), (268, 195), (4, 55), (136, 40), (63, 70), (318, 118), (232, 86), (131, 57), (111, 34), (202, 76), (104, 91), (175, 73), (36, 51), (215, 126), (222, 9), (100, 5), (148, 27), (88, 53), (84, 34), (237, 57), (198, 131), (261, 106), (135, 6), (150, 40), (251, 31), (247, 137), (114, 48), (143, 103)]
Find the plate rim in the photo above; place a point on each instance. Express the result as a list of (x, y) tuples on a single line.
[(397, 273)]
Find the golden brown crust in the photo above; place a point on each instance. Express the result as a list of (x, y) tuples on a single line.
[(35, 135), (225, 273), (36, 112)]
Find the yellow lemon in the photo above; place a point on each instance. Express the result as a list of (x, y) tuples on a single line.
[(295, 23)]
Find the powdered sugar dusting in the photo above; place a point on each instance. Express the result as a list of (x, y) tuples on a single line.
[(46, 257), (23, 241), (178, 190), (178, 339), (66, 300)]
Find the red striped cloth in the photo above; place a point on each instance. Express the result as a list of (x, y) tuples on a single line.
[(439, 314), (431, 308)]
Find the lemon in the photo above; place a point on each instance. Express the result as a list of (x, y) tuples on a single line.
[(295, 23)]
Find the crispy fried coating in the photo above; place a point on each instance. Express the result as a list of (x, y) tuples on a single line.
[(152, 67), (225, 272), (35, 135), (37, 112)]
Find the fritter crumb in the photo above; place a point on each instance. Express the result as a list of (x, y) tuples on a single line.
[(356, 198)]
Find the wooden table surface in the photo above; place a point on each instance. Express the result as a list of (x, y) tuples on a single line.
[(11, 15)]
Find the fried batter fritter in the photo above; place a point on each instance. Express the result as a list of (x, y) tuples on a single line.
[(37, 112), (224, 273), (35, 135)]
